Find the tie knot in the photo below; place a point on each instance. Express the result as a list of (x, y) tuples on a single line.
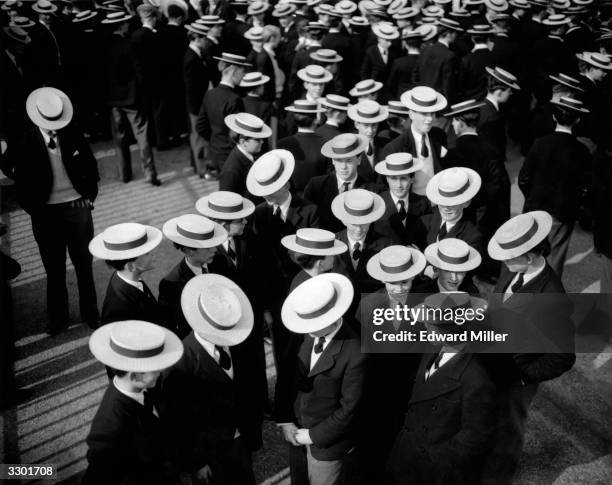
[(401, 204), (318, 348)]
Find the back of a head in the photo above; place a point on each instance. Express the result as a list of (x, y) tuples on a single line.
[(147, 11)]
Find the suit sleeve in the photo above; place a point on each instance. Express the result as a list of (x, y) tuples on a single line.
[(366, 66), (525, 178), (448, 73), (339, 423), (230, 180), (203, 123)]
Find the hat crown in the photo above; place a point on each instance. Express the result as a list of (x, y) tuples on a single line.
[(393, 257), (314, 70), (453, 249), (359, 201), (314, 297), (424, 95), (124, 233), (136, 337), (225, 201), (344, 143), (314, 236), (516, 228), (337, 99), (452, 180), (398, 159), (249, 121), (368, 108), (194, 226), (365, 85), (220, 306), (50, 105)]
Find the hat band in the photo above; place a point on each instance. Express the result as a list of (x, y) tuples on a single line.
[(358, 212), (275, 177), (397, 269), (367, 115), (396, 167), (246, 127), (198, 236), (521, 240), (365, 88), (453, 259), (49, 118), (424, 103), (348, 149), (454, 193), (227, 209), (323, 310), (135, 353), (210, 321), (126, 246), (307, 243)]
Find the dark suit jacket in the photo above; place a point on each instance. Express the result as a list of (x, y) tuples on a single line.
[(209, 52), (218, 103), (234, 174), (464, 230), (506, 53), (321, 191), (406, 143), (126, 444), (120, 70), (448, 425), (472, 79), (262, 62), (409, 231), (147, 47), (366, 169), (170, 289), (437, 69), (196, 78), (327, 132), (309, 162), (601, 200), (402, 75), (258, 107), (554, 174), (233, 38), (27, 157), (125, 302), (203, 407), (325, 399), (373, 66), (492, 129)]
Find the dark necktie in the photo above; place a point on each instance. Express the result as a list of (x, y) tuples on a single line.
[(518, 283), (277, 214), (204, 269), (146, 290), (402, 210), (230, 250), (225, 361), (52, 145), (370, 150), (442, 232), (357, 251), (148, 401), (345, 186), (318, 348), (424, 149)]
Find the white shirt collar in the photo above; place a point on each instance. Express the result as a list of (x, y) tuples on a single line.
[(304, 130), (195, 48), (563, 129), (135, 284), (350, 182), (213, 39), (466, 133), (245, 153), (228, 84), (352, 242), (47, 137), (493, 101), (396, 200), (284, 207), (314, 357), (443, 42), (480, 47), (195, 269), (446, 356), (211, 350), (418, 137), (332, 123), (149, 27)]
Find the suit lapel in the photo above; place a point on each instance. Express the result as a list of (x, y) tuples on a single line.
[(345, 258), (446, 379), (328, 356), (206, 365), (304, 355)]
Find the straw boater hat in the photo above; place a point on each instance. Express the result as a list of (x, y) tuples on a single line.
[(127, 240), (345, 7), (335, 101), (17, 34), (49, 108), (453, 255), (432, 11), (254, 34), (194, 231), (396, 263), (385, 31), (453, 186), (503, 76), (368, 111), (367, 86), (464, 107), (423, 99), (480, 30), (225, 205), (522, 4), (345, 145), (248, 125), (317, 303), (314, 73), (397, 108), (283, 9), (595, 59), (304, 106), (405, 13), (136, 346), (519, 235), (326, 56), (396, 5), (270, 172), (316, 242), (199, 29), (257, 7), (10, 5), (570, 103), (568, 81), (22, 22), (359, 22), (234, 59), (401, 163), (44, 6), (497, 5), (217, 309), (358, 206), (441, 2), (116, 17), (252, 79), (210, 20), (555, 20), (450, 24), (83, 16), (427, 31)]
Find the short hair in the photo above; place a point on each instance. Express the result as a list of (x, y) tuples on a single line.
[(494, 84), (395, 120), (564, 116), (470, 118), (304, 120), (147, 11), (118, 264), (561, 89), (334, 22), (194, 36), (480, 38), (270, 31), (316, 34), (236, 137), (306, 261), (240, 8), (175, 12), (414, 42), (117, 372), (180, 247)]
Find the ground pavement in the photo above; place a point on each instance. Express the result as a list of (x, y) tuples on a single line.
[(569, 431)]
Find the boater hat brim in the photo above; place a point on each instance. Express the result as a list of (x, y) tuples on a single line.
[(436, 259), (204, 207), (101, 250), (340, 211), (292, 243), (542, 224), (171, 231), (416, 267)]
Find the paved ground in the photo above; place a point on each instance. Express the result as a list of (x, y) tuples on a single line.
[(569, 434)]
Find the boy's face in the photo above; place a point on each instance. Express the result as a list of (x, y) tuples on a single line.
[(357, 231), (451, 213), (201, 256), (422, 122), (346, 168), (144, 380), (400, 289), (399, 185), (450, 280), (368, 130)]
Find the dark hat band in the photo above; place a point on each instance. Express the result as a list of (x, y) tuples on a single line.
[(367, 115), (347, 149), (319, 75), (209, 320), (396, 167), (198, 236), (49, 118), (367, 86), (227, 209), (454, 193), (134, 353), (521, 240), (275, 177), (314, 244), (246, 127), (358, 212), (397, 269), (323, 310), (126, 245), (425, 104), (452, 259)]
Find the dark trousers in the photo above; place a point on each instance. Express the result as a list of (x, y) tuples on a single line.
[(122, 119), (236, 467), (58, 227)]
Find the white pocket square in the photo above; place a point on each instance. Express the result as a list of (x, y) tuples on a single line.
[(443, 152), (76, 152)]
